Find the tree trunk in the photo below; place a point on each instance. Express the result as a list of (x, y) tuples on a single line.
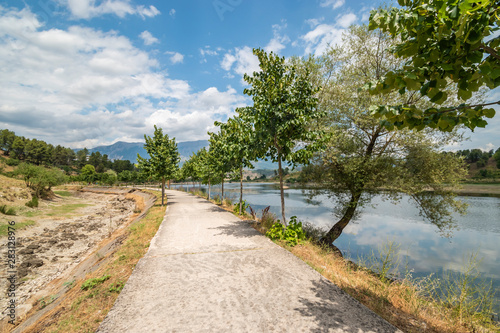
[(222, 192), (282, 193), (162, 189), (208, 188), (241, 188), (337, 229)]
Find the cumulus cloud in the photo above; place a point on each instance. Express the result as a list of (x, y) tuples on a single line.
[(346, 20), (85, 9), (176, 57), (84, 87), (148, 38), (241, 61)]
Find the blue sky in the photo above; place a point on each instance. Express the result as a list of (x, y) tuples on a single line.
[(84, 73)]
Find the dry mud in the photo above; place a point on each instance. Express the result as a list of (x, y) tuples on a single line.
[(54, 245)]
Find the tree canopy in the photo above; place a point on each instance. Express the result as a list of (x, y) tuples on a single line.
[(441, 42), (284, 107), (362, 155), (163, 162)]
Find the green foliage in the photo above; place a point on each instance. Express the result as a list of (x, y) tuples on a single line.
[(12, 162), (92, 283), (443, 42), (244, 207), (116, 287), (32, 203), (44, 301), (7, 211), (285, 106), (292, 234), (163, 162), (88, 173), (363, 155), (40, 179)]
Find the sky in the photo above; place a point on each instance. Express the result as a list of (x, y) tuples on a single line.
[(84, 73)]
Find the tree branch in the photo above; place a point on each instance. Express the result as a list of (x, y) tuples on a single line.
[(467, 106), (491, 51)]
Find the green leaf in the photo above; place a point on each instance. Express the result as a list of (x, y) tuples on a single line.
[(489, 113)]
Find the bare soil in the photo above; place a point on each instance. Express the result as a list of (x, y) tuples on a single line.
[(62, 237)]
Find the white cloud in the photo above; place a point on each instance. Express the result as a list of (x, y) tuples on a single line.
[(346, 20), (319, 39), (176, 57), (148, 38), (85, 9), (332, 3), (172, 12), (84, 87), (241, 61), (277, 43)]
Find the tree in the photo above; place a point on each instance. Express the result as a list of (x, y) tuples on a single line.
[(88, 173), (221, 160), (284, 107), (442, 42), (81, 157), (363, 156), (40, 179), (496, 156), (239, 147), (6, 140), (164, 158)]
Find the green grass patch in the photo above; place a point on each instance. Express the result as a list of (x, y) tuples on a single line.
[(92, 283), (4, 226), (63, 193), (65, 209), (6, 210)]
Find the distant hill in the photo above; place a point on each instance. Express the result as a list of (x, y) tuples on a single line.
[(129, 150)]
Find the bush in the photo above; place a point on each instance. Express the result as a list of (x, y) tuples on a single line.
[(267, 219), (7, 211), (292, 234), (244, 207), (12, 162), (33, 202)]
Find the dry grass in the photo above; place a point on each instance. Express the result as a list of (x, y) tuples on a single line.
[(401, 303), (84, 310)]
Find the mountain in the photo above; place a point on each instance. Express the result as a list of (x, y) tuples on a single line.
[(129, 150)]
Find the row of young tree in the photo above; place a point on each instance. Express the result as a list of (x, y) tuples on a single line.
[(365, 118)]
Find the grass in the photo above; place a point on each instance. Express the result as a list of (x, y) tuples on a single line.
[(85, 307), (63, 193), (7, 211), (412, 305), (4, 226)]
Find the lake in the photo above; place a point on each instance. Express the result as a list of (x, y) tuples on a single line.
[(421, 245)]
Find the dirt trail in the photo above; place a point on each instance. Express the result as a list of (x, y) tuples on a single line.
[(55, 245)]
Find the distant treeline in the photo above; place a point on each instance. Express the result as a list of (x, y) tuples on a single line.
[(480, 157), (39, 152)]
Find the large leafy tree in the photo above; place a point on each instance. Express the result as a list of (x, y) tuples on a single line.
[(6, 140), (284, 108), (163, 160), (362, 155), (441, 42)]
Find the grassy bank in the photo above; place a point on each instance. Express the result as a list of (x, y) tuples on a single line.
[(88, 300), (448, 304)]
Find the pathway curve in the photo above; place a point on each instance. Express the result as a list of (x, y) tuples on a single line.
[(207, 271)]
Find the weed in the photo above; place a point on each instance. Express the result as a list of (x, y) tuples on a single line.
[(267, 219), (44, 301), (116, 287), (291, 234), (92, 283), (244, 207), (69, 284)]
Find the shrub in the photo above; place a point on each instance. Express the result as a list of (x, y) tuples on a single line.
[(292, 234), (7, 211), (12, 162), (244, 207), (33, 202), (267, 219)]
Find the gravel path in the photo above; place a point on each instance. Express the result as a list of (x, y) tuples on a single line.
[(207, 271)]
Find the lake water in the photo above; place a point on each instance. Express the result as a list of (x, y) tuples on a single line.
[(421, 245)]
